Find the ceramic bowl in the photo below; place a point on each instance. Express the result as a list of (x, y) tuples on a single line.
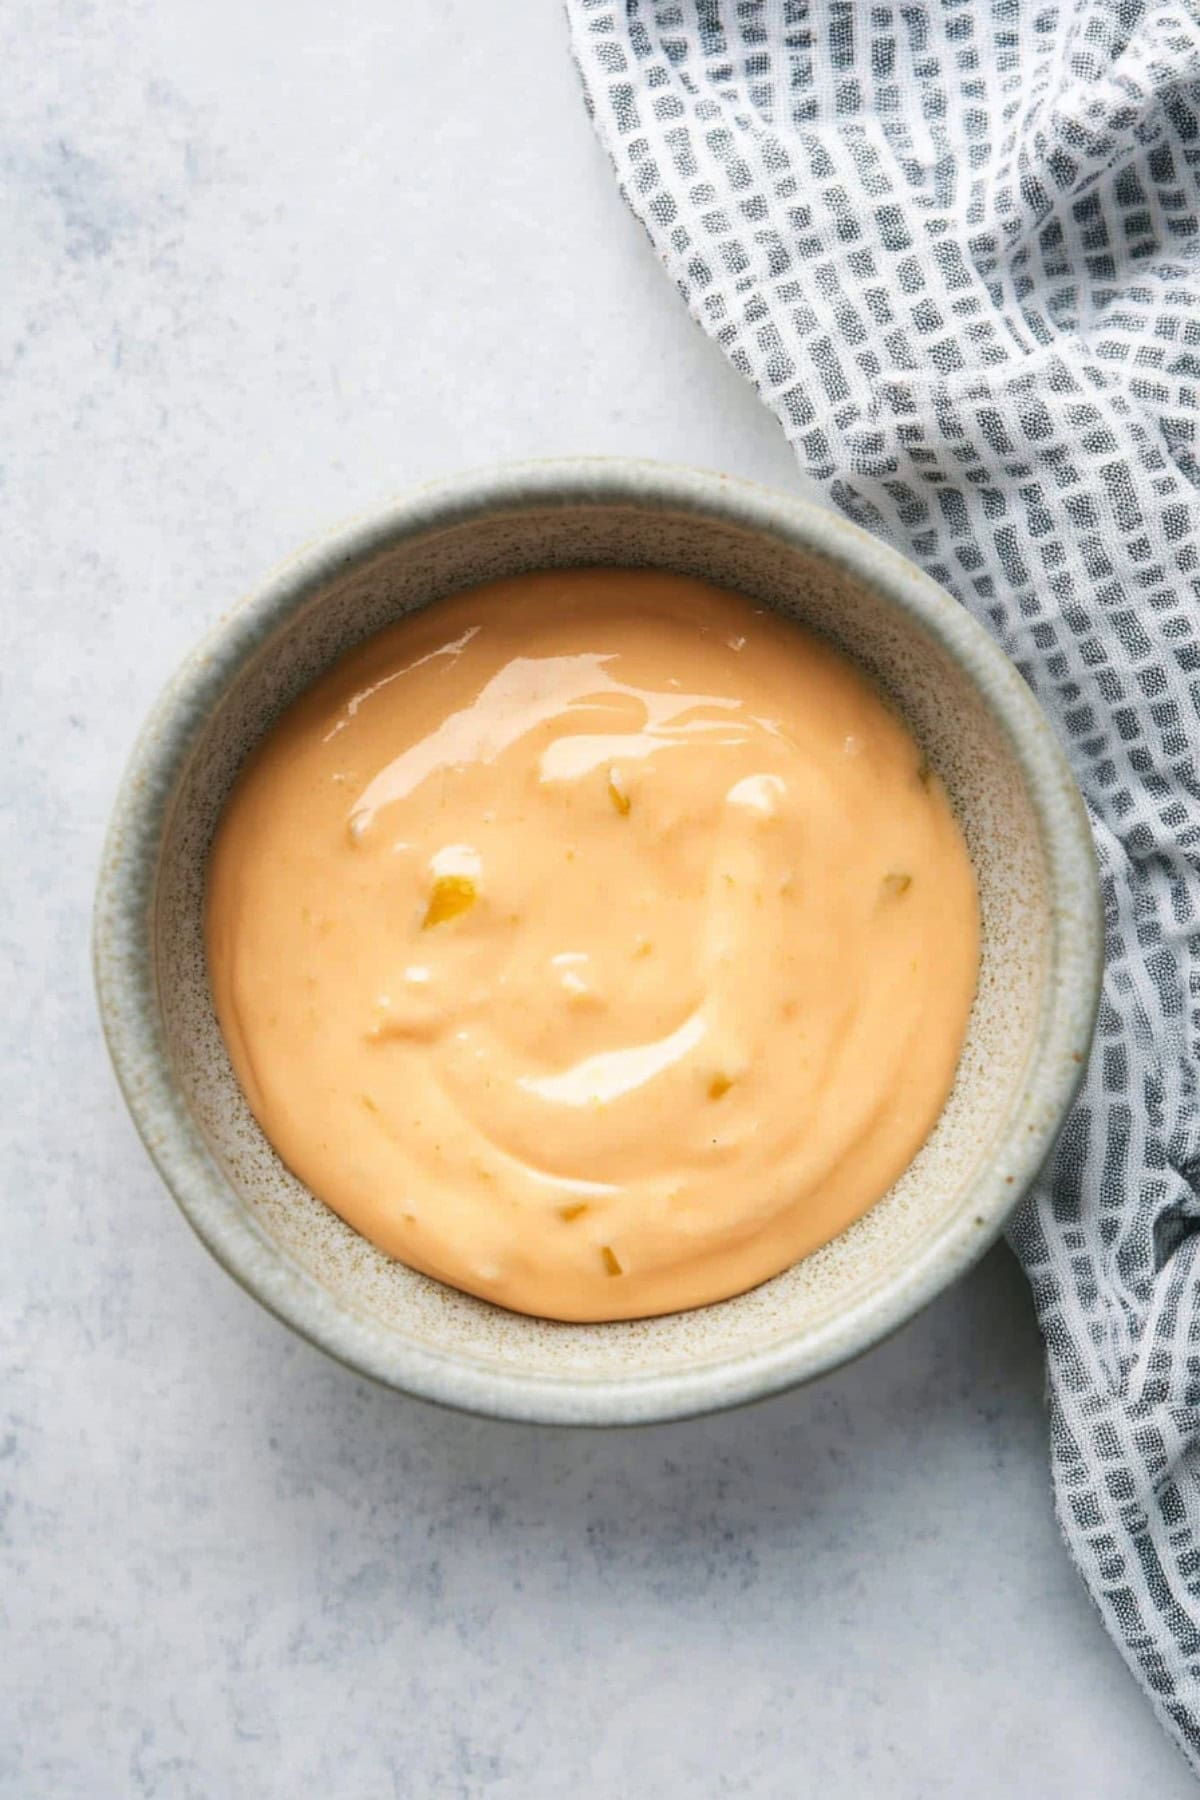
[(1029, 1031)]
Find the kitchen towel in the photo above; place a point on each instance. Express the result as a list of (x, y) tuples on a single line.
[(955, 245)]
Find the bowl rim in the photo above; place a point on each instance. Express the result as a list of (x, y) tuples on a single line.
[(127, 988)]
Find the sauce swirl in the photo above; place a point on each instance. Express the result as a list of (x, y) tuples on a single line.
[(594, 941)]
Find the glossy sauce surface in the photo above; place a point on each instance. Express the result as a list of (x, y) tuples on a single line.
[(594, 941)]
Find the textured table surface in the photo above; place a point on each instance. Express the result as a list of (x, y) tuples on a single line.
[(264, 268)]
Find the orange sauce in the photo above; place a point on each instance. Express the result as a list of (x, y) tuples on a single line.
[(595, 941)]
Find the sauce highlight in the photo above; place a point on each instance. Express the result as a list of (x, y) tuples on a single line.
[(594, 941)]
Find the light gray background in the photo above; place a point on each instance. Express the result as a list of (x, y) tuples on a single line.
[(265, 264)]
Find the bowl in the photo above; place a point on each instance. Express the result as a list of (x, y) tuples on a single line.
[(1011, 790)]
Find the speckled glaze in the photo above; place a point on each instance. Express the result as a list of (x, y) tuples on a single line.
[(1030, 1027)]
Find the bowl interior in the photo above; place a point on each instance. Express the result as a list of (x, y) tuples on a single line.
[(393, 1313)]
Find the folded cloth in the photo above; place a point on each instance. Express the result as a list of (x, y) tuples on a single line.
[(956, 248)]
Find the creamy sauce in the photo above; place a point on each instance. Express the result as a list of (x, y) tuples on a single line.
[(594, 941)]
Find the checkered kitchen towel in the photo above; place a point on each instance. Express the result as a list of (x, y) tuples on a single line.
[(955, 246)]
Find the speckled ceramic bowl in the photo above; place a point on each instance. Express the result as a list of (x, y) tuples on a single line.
[(1029, 1031)]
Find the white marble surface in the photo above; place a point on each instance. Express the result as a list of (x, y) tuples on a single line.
[(266, 264)]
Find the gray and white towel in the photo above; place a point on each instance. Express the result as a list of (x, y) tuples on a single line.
[(955, 244)]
